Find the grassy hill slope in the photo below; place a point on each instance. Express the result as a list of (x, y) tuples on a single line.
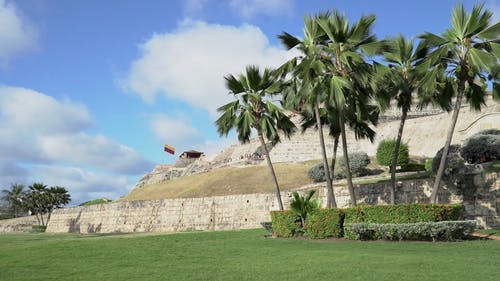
[(226, 181)]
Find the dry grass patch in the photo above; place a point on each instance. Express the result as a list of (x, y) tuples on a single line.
[(226, 181)]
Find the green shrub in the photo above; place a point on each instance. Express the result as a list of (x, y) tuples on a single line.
[(443, 230), (403, 213), (95, 202), (428, 164), (285, 224), (38, 228), (454, 164), (357, 162), (385, 151), (6, 216), (482, 147), (325, 223), (317, 173), (413, 167)]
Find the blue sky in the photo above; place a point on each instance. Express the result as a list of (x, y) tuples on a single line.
[(91, 90)]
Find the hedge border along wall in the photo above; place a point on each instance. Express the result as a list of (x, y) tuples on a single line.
[(285, 224), (331, 222), (325, 223), (442, 231), (403, 213), (321, 223)]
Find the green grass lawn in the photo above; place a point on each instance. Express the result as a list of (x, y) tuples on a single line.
[(495, 232), (239, 255)]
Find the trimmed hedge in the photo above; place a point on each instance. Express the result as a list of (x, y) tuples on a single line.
[(285, 224), (337, 223), (403, 213), (6, 216), (443, 230), (38, 228), (325, 223)]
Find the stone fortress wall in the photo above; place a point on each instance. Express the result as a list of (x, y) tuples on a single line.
[(425, 135), (425, 132), (482, 203)]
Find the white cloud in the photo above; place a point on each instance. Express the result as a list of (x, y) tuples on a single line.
[(194, 6), (189, 64), (249, 8), (174, 131), (16, 33), (28, 110), (98, 151), (41, 136)]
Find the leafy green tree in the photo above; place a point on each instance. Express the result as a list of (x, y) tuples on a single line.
[(468, 53), (14, 198), (253, 109), (302, 206)]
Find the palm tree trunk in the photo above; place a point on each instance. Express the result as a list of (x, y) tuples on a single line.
[(48, 216), (334, 156), (41, 216), (346, 159), (271, 168), (396, 154), (451, 129), (330, 202), (37, 218)]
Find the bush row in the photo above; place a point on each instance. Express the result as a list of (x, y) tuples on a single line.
[(321, 223), (443, 230), (326, 223), (6, 216), (403, 213)]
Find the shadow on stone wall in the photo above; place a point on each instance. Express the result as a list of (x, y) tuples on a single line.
[(74, 224)]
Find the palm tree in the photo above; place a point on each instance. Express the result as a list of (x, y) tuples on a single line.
[(14, 197), (330, 118), (253, 109), (57, 197), (399, 80), (302, 206), (306, 89), (468, 53), (347, 72), (37, 200)]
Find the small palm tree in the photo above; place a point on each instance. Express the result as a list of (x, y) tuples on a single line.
[(302, 206), (468, 53), (400, 80), (253, 109), (14, 198)]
